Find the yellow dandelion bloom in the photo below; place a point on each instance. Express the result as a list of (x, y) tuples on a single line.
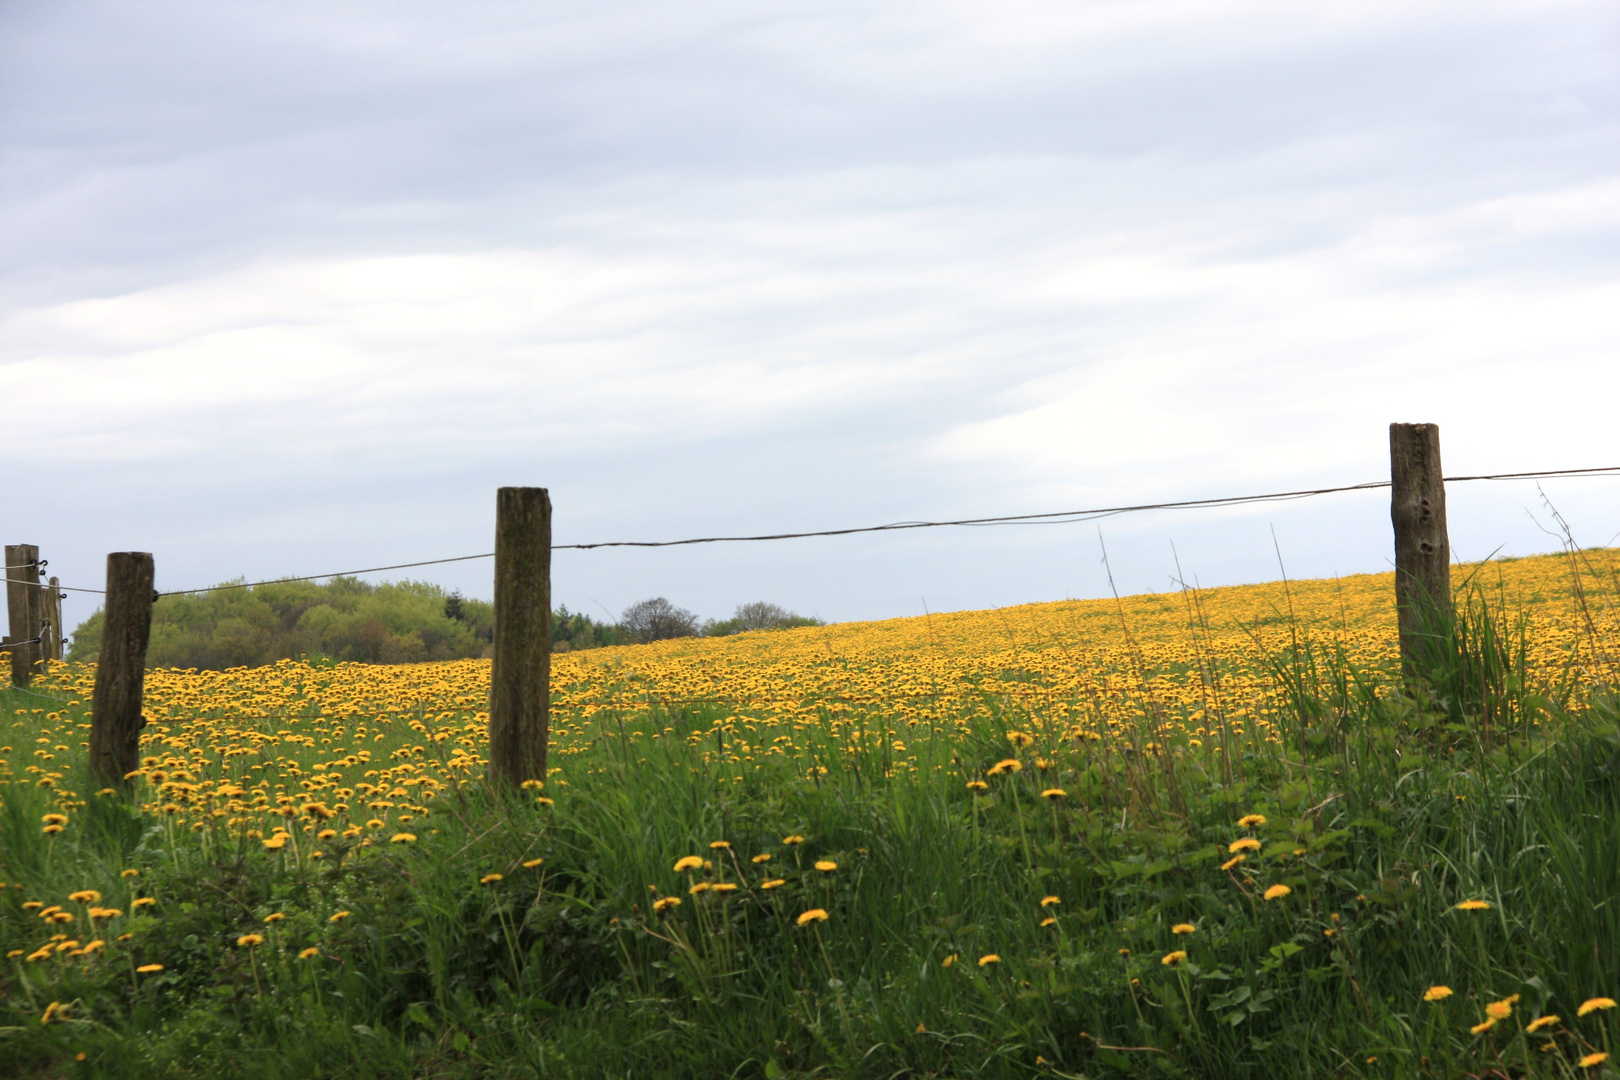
[(667, 902), (1048, 921), (700, 887), (814, 915), (85, 896), (310, 953), (148, 969), (826, 866), (1010, 765), (1591, 1060), (1474, 905), (402, 838), (489, 879), (1174, 958), (1499, 1010), (760, 859), (1250, 821), (128, 873), (274, 917), (1233, 861), (719, 845), (1541, 1022), (793, 839), (948, 961), (1048, 901), (54, 819), (1247, 843), (772, 884), (530, 864), (1183, 928), (977, 786), (1053, 793), (250, 940), (1594, 1004), (989, 958), (1482, 1027), (1277, 892), (340, 916), (688, 862), (723, 887), (142, 901)]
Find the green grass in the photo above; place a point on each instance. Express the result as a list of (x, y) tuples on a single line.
[(1384, 810)]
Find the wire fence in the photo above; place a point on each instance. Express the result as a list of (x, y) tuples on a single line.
[(1059, 517)]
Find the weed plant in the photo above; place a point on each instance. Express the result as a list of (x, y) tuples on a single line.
[(1397, 879)]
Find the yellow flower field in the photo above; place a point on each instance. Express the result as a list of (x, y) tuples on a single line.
[(298, 748)]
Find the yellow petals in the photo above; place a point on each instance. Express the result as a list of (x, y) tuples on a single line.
[(1277, 892), (1594, 1004), (1174, 958), (814, 915)]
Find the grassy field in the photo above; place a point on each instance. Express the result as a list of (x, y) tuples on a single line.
[(1200, 834)]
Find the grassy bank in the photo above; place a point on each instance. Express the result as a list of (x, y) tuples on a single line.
[(1090, 889)]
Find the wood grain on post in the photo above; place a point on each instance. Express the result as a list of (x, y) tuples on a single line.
[(1422, 549), (23, 602), (115, 704), (520, 680)]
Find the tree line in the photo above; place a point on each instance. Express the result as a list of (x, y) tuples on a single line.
[(346, 619)]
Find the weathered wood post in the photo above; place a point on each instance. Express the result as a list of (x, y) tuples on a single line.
[(115, 703), (1417, 507), (23, 610), (520, 680), (53, 608)]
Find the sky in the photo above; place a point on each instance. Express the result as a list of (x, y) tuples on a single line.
[(292, 288)]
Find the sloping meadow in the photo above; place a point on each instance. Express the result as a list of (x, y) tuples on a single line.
[(1202, 833)]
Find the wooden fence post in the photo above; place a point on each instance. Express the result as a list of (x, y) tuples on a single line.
[(115, 704), (53, 608), (520, 679), (1417, 508), (23, 609)]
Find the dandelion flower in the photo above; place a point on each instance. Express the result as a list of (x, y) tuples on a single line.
[(1437, 993), (1053, 793), (1172, 959), (85, 896), (128, 873), (793, 839), (148, 969), (1233, 861), (977, 786), (688, 862), (374, 824), (723, 887), (1277, 892), (989, 958), (1183, 928), (1048, 901), (700, 887), (1483, 1026), (54, 819), (948, 961), (489, 879), (274, 917), (1048, 921), (772, 884), (1247, 843), (249, 941), (310, 953), (662, 905), (719, 845), (142, 901), (340, 916), (826, 866), (1591, 1060), (1594, 1004), (1500, 1010), (1541, 1022), (50, 830), (326, 834), (814, 915), (1010, 765), (532, 863), (1249, 821), (1474, 905), (760, 858)]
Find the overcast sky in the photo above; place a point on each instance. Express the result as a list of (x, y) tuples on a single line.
[(291, 288)]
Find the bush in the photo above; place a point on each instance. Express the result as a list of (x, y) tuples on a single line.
[(758, 615)]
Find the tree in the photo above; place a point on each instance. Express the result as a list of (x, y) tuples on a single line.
[(452, 606), (657, 620), (758, 615)]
